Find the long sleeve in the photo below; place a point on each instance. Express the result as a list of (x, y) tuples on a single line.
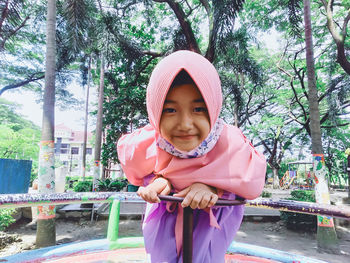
[(137, 154)]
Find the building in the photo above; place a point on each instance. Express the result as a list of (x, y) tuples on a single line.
[(69, 149)]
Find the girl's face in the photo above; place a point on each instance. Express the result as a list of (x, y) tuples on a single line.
[(185, 120)]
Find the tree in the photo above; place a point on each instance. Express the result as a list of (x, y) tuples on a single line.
[(86, 119), (19, 138), (98, 138), (46, 230), (326, 236), (12, 19), (340, 38), (22, 66)]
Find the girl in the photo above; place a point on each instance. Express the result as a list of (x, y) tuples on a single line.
[(188, 150)]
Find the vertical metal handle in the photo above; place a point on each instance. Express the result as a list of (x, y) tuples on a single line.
[(187, 233)]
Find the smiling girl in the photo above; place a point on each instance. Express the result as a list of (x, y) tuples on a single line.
[(189, 151)]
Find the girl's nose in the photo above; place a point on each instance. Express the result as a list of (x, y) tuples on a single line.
[(186, 122)]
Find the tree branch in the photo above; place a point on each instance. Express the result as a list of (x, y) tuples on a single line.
[(2, 45), (21, 83), (185, 25), (332, 87), (335, 126), (338, 39), (4, 14), (138, 73), (345, 25), (210, 53)]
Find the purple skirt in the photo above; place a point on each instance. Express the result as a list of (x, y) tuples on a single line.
[(209, 243)]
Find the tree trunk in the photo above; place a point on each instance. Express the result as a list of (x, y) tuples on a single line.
[(99, 126), (46, 229), (86, 121), (276, 180), (348, 170), (326, 236)]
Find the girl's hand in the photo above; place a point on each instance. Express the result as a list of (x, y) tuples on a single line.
[(160, 186), (198, 195)]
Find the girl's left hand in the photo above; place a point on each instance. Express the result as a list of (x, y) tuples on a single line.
[(198, 195)]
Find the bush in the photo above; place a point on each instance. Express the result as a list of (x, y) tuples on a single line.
[(6, 218), (303, 195), (298, 221), (110, 185), (72, 181), (78, 178), (83, 186), (266, 194)]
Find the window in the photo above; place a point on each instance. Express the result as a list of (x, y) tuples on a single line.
[(75, 150), (58, 145), (88, 150), (64, 148)]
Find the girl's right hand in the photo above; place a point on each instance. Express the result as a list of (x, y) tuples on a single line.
[(160, 186)]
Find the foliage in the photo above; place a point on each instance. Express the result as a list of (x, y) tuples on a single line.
[(266, 194), (110, 185), (284, 124), (78, 178), (5, 218), (22, 48), (303, 195), (298, 221), (19, 138), (83, 186)]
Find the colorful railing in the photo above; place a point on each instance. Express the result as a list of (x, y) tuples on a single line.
[(25, 200)]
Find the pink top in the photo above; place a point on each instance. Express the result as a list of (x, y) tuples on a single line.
[(232, 165)]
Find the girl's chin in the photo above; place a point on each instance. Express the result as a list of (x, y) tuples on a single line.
[(185, 148)]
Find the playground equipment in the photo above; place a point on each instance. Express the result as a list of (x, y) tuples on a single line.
[(104, 249), (294, 177)]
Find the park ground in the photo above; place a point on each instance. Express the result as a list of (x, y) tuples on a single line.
[(259, 231)]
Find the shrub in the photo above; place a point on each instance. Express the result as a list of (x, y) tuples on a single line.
[(303, 195), (110, 185), (78, 178), (6, 218), (298, 221), (266, 194), (83, 186)]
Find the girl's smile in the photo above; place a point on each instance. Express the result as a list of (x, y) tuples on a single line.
[(185, 120)]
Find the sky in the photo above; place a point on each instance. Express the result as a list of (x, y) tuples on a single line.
[(32, 110)]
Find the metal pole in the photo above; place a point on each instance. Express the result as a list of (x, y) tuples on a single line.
[(348, 170), (187, 242)]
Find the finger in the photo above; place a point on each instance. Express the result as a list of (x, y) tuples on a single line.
[(153, 197), (188, 198), (184, 192), (205, 201), (140, 190), (213, 200), (196, 200), (148, 195), (165, 191)]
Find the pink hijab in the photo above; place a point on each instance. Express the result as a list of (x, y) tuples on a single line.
[(232, 165)]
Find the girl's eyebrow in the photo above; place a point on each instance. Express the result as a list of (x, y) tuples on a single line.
[(169, 101), (199, 100)]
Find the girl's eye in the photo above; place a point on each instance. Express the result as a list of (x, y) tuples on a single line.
[(169, 110), (200, 109)]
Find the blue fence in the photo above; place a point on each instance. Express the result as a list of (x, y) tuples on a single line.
[(14, 176)]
